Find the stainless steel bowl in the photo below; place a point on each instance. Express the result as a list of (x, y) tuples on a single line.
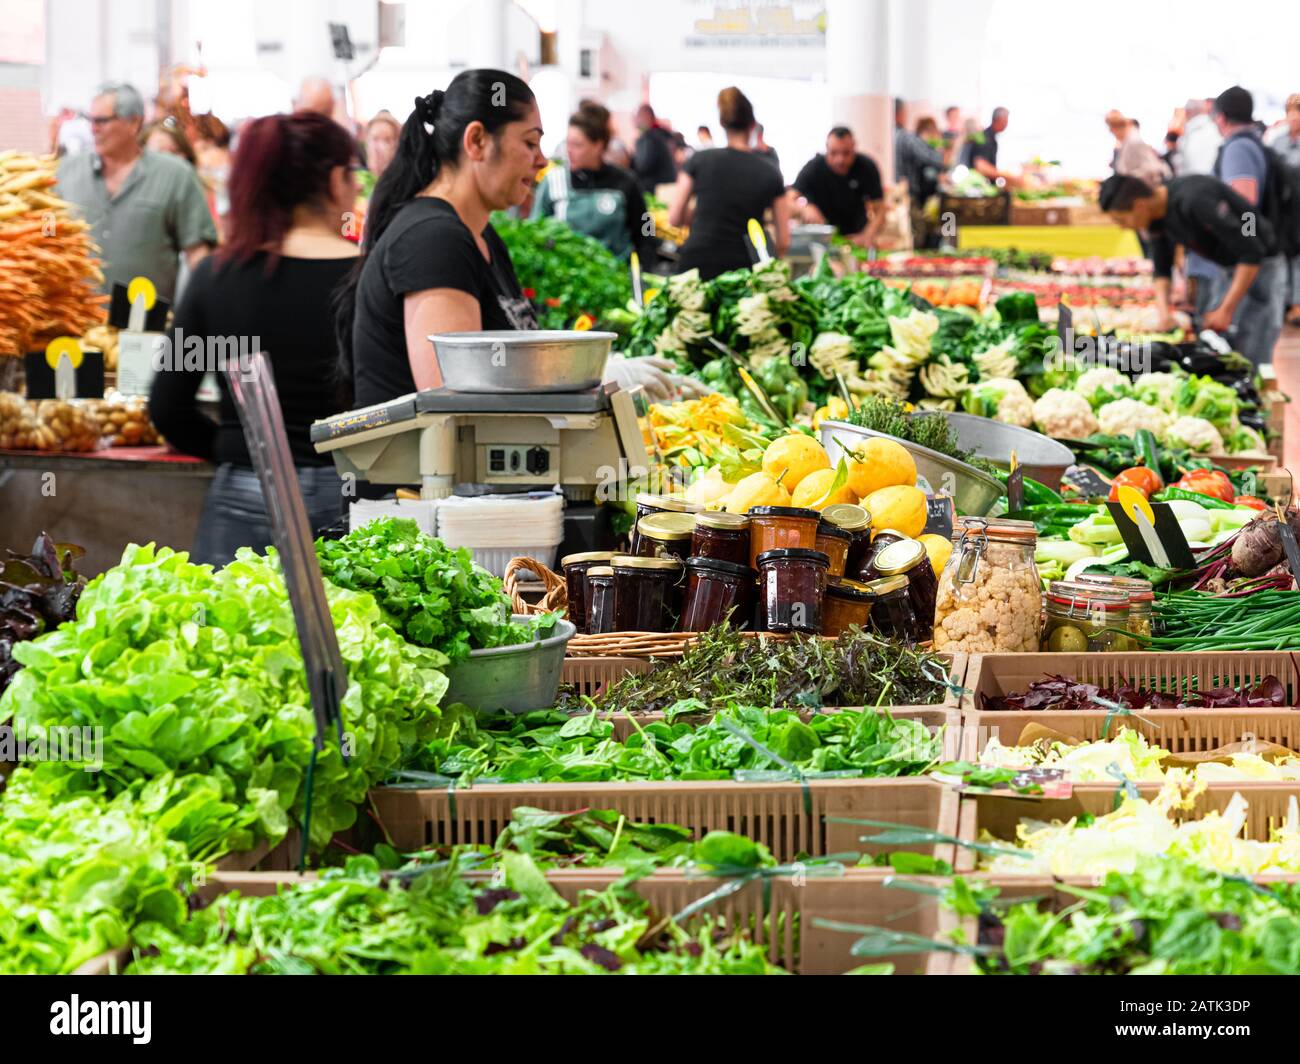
[(547, 360), (974, 493), (513, 679), (1043, 459)]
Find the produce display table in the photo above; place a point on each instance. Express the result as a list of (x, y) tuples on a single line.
[(1069, 241)]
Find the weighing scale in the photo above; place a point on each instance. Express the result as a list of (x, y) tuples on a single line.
[(438, 439)]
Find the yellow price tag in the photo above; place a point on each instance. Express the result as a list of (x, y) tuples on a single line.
[(758, 238), (584, 323), (1134, 503), (142, 287), (60, 346)]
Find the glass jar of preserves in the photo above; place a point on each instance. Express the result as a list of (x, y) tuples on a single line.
[(847, 604), (834, 543), (792, 586), (1084, 617), (990, 598), (665, 535), (716, 592), (1141, 600), (647, 593), (648, 503), (576, 567), (722, 537), (856, 521), (908, 558), (892, 614), (781, 528), (866, 570), (600, 600)]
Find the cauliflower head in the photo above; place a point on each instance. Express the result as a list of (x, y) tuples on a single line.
[(1158, 389), (1102, 384), (1002, 399), (1124, 417), (1195, 434), (1065, 415)]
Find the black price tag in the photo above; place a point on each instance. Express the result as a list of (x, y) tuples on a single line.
[(939, 513), (1167, 533), (1016, 489), (1087, 481), (88, 373), (119, 311), (1065, 328)]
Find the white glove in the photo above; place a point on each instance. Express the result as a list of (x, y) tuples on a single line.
[(691, 387), (650, 374)]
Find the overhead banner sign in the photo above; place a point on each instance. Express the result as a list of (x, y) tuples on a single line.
[(759, 24)]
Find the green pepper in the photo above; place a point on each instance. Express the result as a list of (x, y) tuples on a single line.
[(1036, 494), (1209, 502), (1148, 450)]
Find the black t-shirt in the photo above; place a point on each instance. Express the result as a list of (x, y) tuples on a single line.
[(1206, 216), (987, 149), (731, 187), (842, 200), (238, 308), (425, 246)]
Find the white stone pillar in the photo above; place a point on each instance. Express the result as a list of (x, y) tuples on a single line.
[(857, 68)]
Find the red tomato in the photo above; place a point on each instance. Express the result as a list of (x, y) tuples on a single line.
[(1252, 502), (1208, 482)]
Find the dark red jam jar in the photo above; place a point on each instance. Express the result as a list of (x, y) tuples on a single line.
[(716, 592), (909, 559), (648, 503), (721, 537), (867, 570), (892, 614), (600, 600), (647, 594), (856, 521), (665, 535), (792, 585), (576, 567)]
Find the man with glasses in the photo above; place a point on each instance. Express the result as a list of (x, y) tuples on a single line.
[(145, 208)]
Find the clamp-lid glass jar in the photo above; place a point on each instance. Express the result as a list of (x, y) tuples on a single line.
[(781, 528), (576, 568), (600, 600), (648, 503), (665, 535), (1082, 617), (856, 521), (1141, 600), (834, 542), (722, 537), (647, 593), (892, 614), (866, 570), (791, 587), (716, 592), (990, 598), (847, 604), (908, 558)]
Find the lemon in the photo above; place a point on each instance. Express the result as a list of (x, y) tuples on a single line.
[(814, 491), (757, 489), (878, 464), (939, 550), (900, 507), (791, 458), (836, 409)]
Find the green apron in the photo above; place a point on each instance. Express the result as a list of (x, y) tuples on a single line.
[(600, 213)]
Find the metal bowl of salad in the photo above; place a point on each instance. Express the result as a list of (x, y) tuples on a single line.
[(511, 679), (974, 493), (544, 360)]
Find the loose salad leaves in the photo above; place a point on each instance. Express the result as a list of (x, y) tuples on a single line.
[(37, 592), (1058, 692), (432, 595)]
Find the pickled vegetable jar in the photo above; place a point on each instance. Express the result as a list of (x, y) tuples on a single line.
[(576, 568), (792, 586), (1086, 617), (648, 503), (781, 528), (722, 537), (847, 604), (834, 543), (600, 600), (665, 535), (647, 594), (714, 590), (990, 598), (1141, 600)]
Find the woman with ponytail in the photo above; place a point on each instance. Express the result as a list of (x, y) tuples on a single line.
[(433, 263), (292, 194)]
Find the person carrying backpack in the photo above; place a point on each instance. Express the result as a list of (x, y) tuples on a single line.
[(1255, 173)]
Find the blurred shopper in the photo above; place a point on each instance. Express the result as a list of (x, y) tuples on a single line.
[(918, 160), (763, 149), (730, 185), (1208, 217), (703, 138), (1285, 140), (382, 133), (1198, 150), (980, 151), (1171, 149), (1133, 156), (291, 185), (166, 136), (315, 96), (843, 188), (593, 198), (145, 208), (1243, 165), (652, 156)]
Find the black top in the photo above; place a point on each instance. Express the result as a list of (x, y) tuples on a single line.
[(425, 246), (986, 149), (731, 187), (1206, 216), (842, 200), (237, 309), (652, 159)]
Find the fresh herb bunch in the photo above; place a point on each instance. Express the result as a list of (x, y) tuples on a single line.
[(192, 673), (351, 921), (882, 414), (433, 595), (1198, 620), (805, 672), (551, 747), (1167, 917), (37, 592)]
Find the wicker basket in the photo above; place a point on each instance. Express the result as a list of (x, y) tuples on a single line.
[(650, 644), (556, 593)]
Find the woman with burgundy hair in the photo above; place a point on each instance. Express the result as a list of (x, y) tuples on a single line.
[(268, 288)]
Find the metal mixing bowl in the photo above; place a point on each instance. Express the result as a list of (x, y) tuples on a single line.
[(1043, 459), (513, 679), (973, 492), (546, 360)]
